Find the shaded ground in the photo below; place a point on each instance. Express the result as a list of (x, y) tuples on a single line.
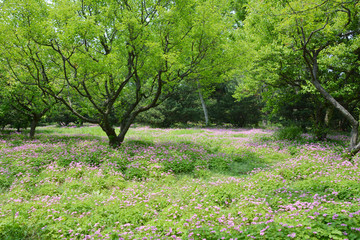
[(176, 184)]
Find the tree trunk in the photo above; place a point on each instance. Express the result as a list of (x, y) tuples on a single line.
[(319, 128), (354, 147), (111, 134), (203, 104), (34, 123), (115, 141), (124, 128), (328, 116), (121, 136)]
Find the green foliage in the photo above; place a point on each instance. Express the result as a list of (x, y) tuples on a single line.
[(181, 106), (293, 48), (320, 132), (14, 230), (9, 116), (225, 109), (312, 193), (289, 133), (109, 61), (62, 116), (184, 107)]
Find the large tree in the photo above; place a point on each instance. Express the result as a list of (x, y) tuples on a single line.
[(316, 32), (106, 58)]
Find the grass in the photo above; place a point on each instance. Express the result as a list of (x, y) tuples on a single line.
[(176, 184)]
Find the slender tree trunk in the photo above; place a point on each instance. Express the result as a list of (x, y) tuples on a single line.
[(35, 120), (354, 147), (203, 104), (328, 116)]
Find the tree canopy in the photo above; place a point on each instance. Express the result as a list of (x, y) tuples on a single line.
[(299, 44), (110, 61), (103, 58)]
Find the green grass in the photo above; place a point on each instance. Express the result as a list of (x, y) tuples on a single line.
[(175, 184)]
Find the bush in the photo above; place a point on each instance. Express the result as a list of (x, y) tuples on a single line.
[(288, 133)]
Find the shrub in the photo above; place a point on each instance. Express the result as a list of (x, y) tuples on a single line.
[(288, 133)]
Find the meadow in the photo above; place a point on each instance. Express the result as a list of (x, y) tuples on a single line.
[(176, 184)]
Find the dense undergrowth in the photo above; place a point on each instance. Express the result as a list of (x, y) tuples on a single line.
[(176, 184)]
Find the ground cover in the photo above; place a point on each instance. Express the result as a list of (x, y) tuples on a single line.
[(176, 184)]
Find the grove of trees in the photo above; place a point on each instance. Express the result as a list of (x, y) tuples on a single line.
[(161, 62)]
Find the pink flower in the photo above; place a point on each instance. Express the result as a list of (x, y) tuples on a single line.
[(292, 235)]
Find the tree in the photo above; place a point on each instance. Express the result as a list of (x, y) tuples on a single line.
[(27, 100), (21, 97), (316, 31), (10, 116), (327, 25), (105, 58), (31, 102)]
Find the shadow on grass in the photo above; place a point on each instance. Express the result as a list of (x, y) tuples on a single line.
[(135, 155), (244, 164), (15, 231), (138, 143), (27, 131), (44, 136), (211, 158)]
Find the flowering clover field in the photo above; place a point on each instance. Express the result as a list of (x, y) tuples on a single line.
[(176, 184)]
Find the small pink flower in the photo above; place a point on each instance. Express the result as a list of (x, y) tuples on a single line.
[(292, 235)]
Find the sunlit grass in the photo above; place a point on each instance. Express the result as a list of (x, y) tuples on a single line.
[(175, 184)]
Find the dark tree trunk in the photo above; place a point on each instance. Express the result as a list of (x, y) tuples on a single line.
[(342, 125), (34, 123), (35, 120), (111, 134), (121, 137), (116, 141), (319, 124)]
